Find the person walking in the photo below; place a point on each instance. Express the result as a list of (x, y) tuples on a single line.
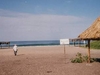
[(15, 49)]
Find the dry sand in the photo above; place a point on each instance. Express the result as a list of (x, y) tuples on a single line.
[(47, 60)]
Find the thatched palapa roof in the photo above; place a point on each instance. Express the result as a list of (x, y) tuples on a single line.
[(93, 32)]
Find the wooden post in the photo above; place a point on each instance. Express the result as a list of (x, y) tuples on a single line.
[(74, 43), (0, 45), (79, 43), (65, 53), (89, 51), (9, 44)]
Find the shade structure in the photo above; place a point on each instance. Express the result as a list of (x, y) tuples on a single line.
[(7, 43), (93, 32)]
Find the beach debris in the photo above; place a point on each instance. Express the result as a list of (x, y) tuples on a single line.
[(49, 71)]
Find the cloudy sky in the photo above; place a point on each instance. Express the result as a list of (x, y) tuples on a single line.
[(22, 20)]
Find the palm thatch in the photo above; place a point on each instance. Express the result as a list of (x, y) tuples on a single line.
[(93, 32)]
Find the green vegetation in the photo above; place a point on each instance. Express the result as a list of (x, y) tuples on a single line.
[(95, 44), (79, 58)]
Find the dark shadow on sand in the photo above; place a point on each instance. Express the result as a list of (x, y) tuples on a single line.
[(96, 60)]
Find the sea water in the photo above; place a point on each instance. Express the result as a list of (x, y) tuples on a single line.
[(35, 43), (41, 43)]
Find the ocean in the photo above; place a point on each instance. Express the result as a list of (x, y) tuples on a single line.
[(35, 43), (39, 43)]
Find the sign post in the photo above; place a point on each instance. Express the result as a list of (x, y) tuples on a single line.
[(64, 42)]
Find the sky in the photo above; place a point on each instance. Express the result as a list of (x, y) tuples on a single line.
[(29, 20)]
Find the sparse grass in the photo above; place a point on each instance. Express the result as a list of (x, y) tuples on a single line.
[(80, 58)]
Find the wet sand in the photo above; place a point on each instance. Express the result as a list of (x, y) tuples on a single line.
[(47, 60)]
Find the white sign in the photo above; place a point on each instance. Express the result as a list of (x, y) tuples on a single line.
[(64, 41)]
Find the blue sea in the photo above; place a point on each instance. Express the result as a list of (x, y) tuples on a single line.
[(39, 43), (35, 43)]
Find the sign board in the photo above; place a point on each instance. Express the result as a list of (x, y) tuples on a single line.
[(64, 41)]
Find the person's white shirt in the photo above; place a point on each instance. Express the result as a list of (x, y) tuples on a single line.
[(15, 48)]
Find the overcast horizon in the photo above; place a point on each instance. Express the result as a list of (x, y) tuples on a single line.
[(27, 20)]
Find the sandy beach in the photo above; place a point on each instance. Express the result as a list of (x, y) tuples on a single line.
[(47, 60)]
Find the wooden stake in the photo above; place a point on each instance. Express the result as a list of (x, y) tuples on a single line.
[(89, 51), (65, 53)]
